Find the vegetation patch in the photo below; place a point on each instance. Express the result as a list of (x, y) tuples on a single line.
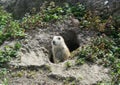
[(68, 64), (9, 28), (69, 81), (50, 12), (8, 53), (3, 73), (103, 51), (54, 12)]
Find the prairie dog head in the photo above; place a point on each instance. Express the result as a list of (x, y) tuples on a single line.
[(58, 41)]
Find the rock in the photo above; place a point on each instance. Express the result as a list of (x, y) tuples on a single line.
[(75, 22)]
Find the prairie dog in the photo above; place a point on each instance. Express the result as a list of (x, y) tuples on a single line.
[(59, 49)]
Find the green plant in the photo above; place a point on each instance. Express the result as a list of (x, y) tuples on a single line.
[(8, 53), (51, 12), (88, 53), (80, 61), (104, 83), (92, 21), (5, 82), (116, 72), (117, 21), (4, 18), (9, 28), (54, 12), (105, 50), (69, 81), (14, 30), (68, 64), (3, 73), (32, 21), (78, 10)]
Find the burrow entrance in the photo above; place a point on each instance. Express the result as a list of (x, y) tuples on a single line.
[(71, 40)]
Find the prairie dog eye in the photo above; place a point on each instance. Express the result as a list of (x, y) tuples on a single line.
[(59, 38)]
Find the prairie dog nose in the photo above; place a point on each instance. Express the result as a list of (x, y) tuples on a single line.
[(53, 42)]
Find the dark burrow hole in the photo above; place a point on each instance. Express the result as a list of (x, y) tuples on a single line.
[(71, 40)]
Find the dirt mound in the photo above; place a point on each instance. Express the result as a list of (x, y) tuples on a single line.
[(35, 65)]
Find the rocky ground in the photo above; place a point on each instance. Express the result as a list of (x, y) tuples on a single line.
[(34, 65)]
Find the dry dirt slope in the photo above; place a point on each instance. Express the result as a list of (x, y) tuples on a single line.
[(33, 66)]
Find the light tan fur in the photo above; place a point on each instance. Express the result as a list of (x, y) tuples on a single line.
[(59, 49)]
